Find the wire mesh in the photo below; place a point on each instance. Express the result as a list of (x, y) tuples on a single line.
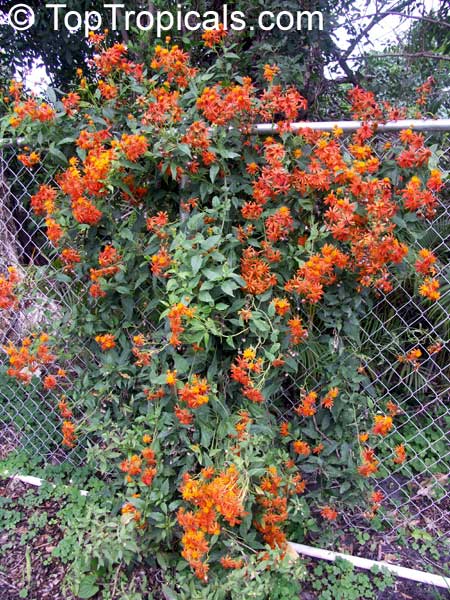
[(395, 323)]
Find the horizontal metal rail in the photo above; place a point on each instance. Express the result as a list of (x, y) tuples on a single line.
[(346, 126), (349, 126)]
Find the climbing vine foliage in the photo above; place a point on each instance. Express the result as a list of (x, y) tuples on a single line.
[(208, 351)]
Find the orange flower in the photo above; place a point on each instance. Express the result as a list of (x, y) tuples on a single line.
[(270, 71), (96, 291), (29, 160), (68, 431), (307, 407), (318, 449), (302, 448), (328, 513), (85, 212), (328, 400), (54, 231), (430, 289), (400, 454), (212, 37), (231, 563), (171, 377), (70, 258), (133, 146), (8, 299), (106, 341), (298, 332), (282, 306), (425, 263), (383, 425), (284, 429), (148, 475), (184, 415), (195, 394), (50, 382), (256, 273)]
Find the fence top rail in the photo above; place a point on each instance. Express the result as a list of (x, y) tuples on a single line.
[(346, 126), (349, 126)]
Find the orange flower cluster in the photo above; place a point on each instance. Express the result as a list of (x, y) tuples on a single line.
[(70, 258), (330, 397), (221, 105), (425, 263), (106, 341), (297, 331), (307, 406), (274, 509), (29, 160), (317, 272), (282, 306), (383, 425), (370, 464), (175, 317), (270, 71), (416, 199), (400, 454), (279, 225), (412, 357), (430, 289), (107, 90), (415, 154), (113, 59), (33, 110), (256, 272), (241, 370), (133, 146), (212, 37), (423, 91), (142, 465), (85, 212), (43, 202), (143, 357), (275, 102), (8, 298), (54, 231), (328, 513), (375, 499), (301, 447), (26, 359), (195, 394), (68, 433), (161, 262), (108, 260), (175, 63), (164, 107), (71, 102), (213, 498), (197, 136)]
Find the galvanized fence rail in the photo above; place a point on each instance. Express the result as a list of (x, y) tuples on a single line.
[(416, 492)]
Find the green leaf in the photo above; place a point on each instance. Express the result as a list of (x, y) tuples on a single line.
[(88, 587), (228, 287), (213, 171), (196, 263)]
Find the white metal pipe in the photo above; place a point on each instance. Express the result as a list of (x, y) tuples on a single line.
[(366, 563), (348, 126), (362, 563), (36, 481)]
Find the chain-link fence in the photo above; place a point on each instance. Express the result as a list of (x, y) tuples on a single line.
[(416, 491)]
